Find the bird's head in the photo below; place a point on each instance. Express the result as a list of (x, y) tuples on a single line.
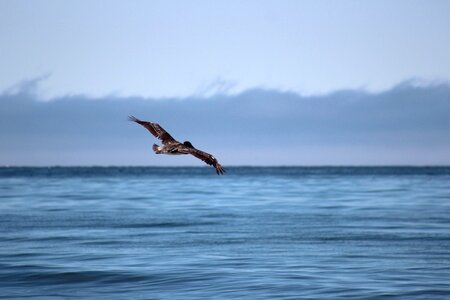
[(188, 144)]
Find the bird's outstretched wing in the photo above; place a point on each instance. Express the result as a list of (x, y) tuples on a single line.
[(156, 130), (207, 158)]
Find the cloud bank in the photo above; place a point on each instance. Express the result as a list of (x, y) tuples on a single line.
[(406, 125)]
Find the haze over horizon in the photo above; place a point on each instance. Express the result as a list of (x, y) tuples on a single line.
[(254, 82), (406, 125)]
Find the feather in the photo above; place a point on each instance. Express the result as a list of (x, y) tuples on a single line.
[(155, 129), (172, 146)]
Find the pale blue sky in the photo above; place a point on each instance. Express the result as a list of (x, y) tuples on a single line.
[(262, 82), (182, 48)]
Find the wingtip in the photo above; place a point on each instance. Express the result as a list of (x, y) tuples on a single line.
[(132, 118), (220, 170)]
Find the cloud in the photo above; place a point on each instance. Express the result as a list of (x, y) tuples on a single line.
[(27, 87), (408, 124), (216, 87)]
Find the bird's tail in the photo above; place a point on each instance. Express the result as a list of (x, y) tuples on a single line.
[(156, 149)]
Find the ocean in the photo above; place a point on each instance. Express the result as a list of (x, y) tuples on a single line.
[(255, 233)]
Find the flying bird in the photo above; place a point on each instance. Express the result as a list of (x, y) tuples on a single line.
[(174, 147)]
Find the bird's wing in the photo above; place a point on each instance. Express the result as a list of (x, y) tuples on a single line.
[(156, 130), (206, 157)]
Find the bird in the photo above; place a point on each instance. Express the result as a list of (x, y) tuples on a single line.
[(174, 147)]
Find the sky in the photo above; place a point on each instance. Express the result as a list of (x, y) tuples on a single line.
[(181, 48), (257, 82)]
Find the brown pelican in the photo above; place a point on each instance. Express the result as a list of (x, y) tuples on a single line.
[(172, 146)]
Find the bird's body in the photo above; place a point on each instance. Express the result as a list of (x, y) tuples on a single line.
[(173, 147)]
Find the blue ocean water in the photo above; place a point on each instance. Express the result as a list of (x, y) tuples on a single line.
[(255, 233)]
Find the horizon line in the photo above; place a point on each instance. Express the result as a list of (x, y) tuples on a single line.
[(231, 166)]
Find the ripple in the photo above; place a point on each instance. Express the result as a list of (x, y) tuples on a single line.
[(258, 233)]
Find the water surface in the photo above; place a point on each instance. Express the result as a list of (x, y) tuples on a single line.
[(256, 233)]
